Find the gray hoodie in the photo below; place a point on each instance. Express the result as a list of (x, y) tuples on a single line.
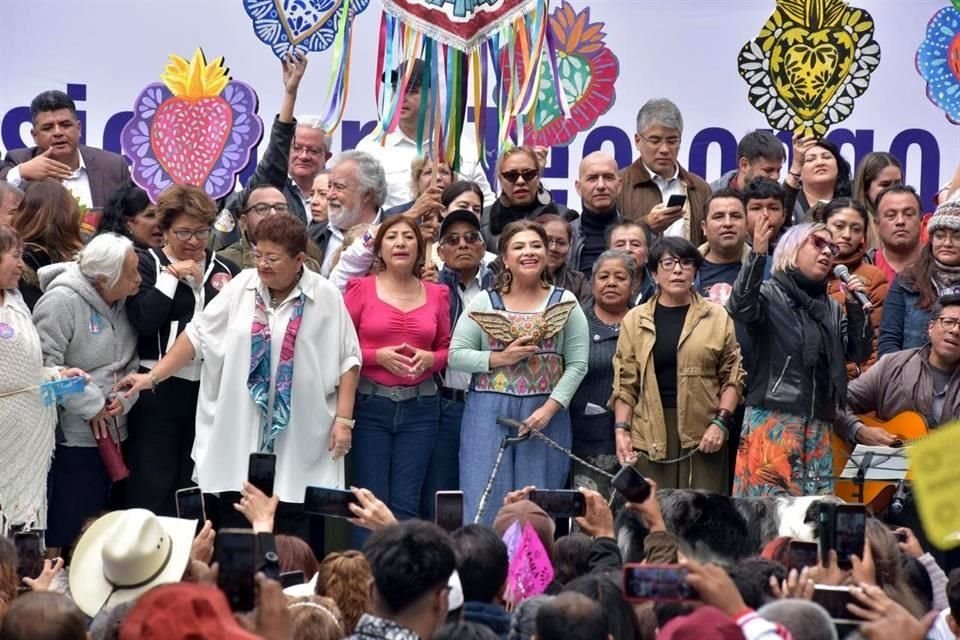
[(78, 329)]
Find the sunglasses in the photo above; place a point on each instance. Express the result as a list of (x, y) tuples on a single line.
[(513, 175), (453, 239), (821, 243)]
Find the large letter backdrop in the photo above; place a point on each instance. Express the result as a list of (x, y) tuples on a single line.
[(808, 64), (197, 127), (461, 44), (938, 61)]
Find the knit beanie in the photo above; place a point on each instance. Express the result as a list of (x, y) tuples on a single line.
[(946, 216)]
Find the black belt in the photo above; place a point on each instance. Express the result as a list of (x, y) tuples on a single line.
[(457, 395)]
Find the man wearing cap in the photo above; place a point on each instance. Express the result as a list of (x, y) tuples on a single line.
[(466, 273), (411, 563), (399, 148)]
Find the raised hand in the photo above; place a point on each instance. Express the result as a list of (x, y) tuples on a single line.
[(294, 64), (44, 166)]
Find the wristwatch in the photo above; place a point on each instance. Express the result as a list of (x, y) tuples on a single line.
[(347, 422), (622, 425)]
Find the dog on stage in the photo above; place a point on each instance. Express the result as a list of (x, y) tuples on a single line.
[(722, 529)]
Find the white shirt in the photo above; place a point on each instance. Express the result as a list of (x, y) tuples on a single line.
[(334, 243), (78, 183), (940, 630), (304, 198), (228, 431), (670, 187), (398, 152)]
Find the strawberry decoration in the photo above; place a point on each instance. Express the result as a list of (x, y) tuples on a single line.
[(197, 127)]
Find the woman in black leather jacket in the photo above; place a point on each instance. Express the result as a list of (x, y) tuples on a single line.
[(798, 380)]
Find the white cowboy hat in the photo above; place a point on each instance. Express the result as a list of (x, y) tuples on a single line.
[(124, 554)]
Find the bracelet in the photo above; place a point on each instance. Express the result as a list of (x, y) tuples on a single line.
[(154, 381), (347, 422), (623, 426), (719, 424), (726, 416)]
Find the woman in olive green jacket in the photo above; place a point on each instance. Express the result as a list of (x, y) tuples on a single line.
[(677, 378)]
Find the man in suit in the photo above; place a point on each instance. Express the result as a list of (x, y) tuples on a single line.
[(91, 175)]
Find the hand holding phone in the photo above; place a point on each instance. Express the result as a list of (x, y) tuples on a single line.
[(29, 554), (657, 582), (801, 554), (631, 484), (676, 200), (329, 502), (190, 504), (842, 529), (262, 472), (560, 504), (236, 557)]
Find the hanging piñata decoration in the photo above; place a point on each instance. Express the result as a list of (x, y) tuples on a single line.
[(938, 60), (197, 127), (461, 44), (808, 64)]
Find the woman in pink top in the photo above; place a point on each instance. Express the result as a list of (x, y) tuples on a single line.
[(403, 324)]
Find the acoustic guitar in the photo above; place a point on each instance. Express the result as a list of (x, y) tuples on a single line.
[(906, 426)]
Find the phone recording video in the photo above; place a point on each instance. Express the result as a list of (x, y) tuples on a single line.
[(236, 556), (560, 504), (329, 502), (190, 504), (802, 554), (262, 471), (842, 529), (657, 582), (449, 510), (29, 555), (835, 601), (631, 484)]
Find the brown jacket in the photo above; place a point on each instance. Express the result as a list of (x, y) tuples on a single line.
[(640, 194), (898, 382), (708, 361), (877, 287)]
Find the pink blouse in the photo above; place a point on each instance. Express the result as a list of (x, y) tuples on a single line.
[(382, 325)]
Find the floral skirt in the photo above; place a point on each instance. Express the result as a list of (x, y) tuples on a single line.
[(783, 454)]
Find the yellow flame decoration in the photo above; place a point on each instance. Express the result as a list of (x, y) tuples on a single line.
[(195, 79)]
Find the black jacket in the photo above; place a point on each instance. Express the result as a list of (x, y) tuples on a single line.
[(778, 379), (155, 316)]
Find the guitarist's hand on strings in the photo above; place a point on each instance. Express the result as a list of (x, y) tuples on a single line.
[(876, 437)]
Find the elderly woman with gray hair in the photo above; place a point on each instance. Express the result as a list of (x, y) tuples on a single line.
[(802, 339), (82, 323), (614, 274)]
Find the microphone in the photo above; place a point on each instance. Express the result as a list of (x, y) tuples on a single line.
[(899, 497), (843, 274)]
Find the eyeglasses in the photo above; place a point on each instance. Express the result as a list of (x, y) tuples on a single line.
[(949, 323), (184, 235), (822, 243), (264, 208), (559, 243), (942, 235), (312, 151), (657, 142), (513, 175), (270, 259), (453, 239), (670, 264)]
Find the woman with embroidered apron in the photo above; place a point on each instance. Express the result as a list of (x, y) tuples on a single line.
[(26, 425), (280, 361), (526, 345)]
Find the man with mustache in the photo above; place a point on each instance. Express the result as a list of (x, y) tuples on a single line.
[(898, 225)]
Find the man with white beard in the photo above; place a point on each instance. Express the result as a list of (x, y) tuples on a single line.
[(358, 188)]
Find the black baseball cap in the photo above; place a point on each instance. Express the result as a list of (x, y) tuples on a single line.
[(459, 215)]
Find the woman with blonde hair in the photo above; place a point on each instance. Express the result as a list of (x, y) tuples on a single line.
[(346, 578), (798, 382), (315, 618), (48, 222)]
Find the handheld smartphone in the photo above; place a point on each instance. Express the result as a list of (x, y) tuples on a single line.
[(842, 529), (449, 510), (631, 484), (676, 200), (560, 504), (835, 601), (261, 472), (801, 554), (236, 556), (329, 502), (657, 582), (29, 554), (190, 504), (292, 579)]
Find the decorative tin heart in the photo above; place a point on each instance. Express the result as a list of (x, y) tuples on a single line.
[(807, 68), (188, 136)]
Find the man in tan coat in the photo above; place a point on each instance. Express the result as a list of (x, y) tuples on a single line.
[(655, 176)]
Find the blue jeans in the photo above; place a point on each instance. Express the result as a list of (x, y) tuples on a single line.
[(443, 472), (392, 442)]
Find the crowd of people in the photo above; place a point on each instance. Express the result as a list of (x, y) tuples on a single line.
[(379, 319)]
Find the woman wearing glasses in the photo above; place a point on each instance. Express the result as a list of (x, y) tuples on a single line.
[(798, 378), (677, 378), (559, 234), (176, 282), (522, 196)]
